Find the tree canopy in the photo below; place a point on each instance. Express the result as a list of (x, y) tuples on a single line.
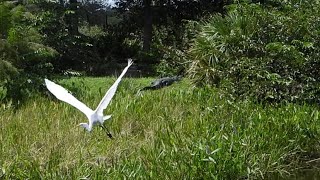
[(244, 45)]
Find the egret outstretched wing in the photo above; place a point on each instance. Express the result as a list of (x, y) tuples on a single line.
[(110, 93), (63, 95)]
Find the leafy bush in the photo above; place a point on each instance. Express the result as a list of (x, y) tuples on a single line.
[(172, 52), (172, 62), (269, 53), (24, 59), (73, 49)]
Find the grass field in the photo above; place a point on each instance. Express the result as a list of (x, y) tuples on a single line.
[(179, 132)]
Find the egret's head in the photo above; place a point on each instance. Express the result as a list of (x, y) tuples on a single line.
[(85, 126)]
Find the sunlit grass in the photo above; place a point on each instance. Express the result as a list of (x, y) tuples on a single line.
[(178, 132)]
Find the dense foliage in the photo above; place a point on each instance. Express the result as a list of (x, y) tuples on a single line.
[(270, 53), (267, 51), (23, 57), (44, 37)]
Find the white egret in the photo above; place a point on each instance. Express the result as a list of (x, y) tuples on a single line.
[(95, 117)]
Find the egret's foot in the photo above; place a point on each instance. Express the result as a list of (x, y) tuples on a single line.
[(107, 131), (110, 135)]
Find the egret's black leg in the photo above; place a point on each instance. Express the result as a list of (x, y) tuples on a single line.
[(108, 132)]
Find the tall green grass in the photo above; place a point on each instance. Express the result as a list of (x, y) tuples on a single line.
[(178, 132)]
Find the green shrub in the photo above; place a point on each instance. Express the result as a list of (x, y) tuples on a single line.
[(267, 53), (24, 59), (172, 62), (172, 51), (5, 19)]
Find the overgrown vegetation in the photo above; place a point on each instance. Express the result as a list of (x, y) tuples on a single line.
[(261, 120), (23, 57), (39, 38), (265, 52), (210, 138)]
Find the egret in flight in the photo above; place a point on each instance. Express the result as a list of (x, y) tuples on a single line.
[(95, 117)]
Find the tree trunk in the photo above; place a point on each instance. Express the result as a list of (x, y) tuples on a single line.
[(147, 29), (105, 26), (72, 18)]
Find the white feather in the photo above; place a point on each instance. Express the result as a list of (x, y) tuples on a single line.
[(110, 93), (63, 95), (93, 116)]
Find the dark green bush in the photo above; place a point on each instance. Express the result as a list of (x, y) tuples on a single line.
[(24, 59), (268, 53), (172, 49)]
